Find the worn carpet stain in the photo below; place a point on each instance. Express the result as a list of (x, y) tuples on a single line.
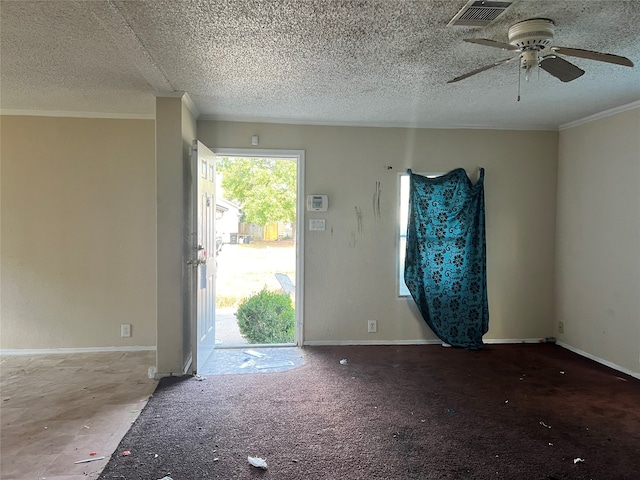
[(395, 412)]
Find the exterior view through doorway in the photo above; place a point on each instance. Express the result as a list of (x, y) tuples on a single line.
[(259, 233)]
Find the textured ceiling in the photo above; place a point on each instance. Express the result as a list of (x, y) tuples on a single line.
[(365, 62)]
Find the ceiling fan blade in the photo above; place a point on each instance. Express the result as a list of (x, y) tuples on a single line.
[(591, 55), (560, 68), (491, 43), (481, 69)]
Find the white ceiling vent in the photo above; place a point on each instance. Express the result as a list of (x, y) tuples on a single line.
[(478, 13)]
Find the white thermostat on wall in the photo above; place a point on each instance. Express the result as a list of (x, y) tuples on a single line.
[(317, 203)]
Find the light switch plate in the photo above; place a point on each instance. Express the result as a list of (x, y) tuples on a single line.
[(316, 224)]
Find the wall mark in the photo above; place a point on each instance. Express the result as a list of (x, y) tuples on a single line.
[(352, 242), (377, 194), (359, 219)]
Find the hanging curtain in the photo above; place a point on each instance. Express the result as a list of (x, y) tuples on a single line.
[(445, 266)]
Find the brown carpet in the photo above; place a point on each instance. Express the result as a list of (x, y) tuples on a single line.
[(395, 412)]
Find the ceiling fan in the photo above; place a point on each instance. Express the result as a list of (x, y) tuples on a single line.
[(532, 40)]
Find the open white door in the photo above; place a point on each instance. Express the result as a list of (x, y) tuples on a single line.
[(203, 169)]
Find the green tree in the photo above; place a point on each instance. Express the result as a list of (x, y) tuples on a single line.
[(265, 188)]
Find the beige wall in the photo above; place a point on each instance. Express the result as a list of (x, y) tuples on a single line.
[(79, 236), (189, 135), (175, 131), (598, 238), (350, 276), (78, 232)]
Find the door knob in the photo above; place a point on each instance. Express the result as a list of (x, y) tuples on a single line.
[(196, 262)]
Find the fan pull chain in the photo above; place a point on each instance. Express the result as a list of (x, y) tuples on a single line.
[(519, 76)]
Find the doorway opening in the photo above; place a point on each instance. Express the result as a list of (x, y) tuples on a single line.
[(259, 263)]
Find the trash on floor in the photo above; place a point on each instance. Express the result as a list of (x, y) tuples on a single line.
[(242, 361), (257, 462), (253, 353), (576, 460), (451, 410), (545, 425), (343, 361), (248, 362), (126, 453), (92, 459), (286, 363), (200, 378), (165, 478)]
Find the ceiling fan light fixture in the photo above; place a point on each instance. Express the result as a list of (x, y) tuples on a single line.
[(528, 60), (534, 34)]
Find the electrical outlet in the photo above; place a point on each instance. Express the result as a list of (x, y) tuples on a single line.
[(560, 327), (372, 326), (125, 330)]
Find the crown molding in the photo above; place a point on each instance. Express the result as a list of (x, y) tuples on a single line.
[(72, 114), (598, 116), (302, 122)]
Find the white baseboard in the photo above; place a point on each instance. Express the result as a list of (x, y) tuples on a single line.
[(497, 341), (330, 343), (319, 343), (49, 351), (600, 360)]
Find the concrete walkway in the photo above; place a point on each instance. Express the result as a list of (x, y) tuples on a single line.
[(227, 331)]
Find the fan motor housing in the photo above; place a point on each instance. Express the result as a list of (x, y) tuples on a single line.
[(533, 34)]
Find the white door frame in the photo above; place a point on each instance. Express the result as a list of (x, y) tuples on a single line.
[(298, 155)]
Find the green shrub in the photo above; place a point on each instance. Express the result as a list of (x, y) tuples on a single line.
[(267, 317)]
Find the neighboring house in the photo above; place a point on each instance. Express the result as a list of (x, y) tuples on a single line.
[(227, 219)]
